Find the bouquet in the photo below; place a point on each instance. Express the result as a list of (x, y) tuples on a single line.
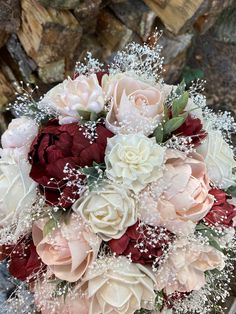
[(117, 193)]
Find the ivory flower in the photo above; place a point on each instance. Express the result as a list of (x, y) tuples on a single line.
[(70, 96), (134, 160), (136, 105), (108, 212), (68, 251), (116, 286), (17, 189), (180, 198), (184, 268), (219, 158)]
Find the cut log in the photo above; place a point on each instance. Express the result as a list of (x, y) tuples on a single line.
[(3, 38), (209, 17), (175, 53), (48, 35), (6, 91), (52, 72), (61, 4), (136, 15), (178, 15), (112, 34), (9, 15), (87, 13), (19, 60)]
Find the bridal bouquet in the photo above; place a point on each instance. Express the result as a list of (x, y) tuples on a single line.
[(117, 194)]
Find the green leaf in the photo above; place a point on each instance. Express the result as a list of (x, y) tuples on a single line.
[(159, 134), (191, 74), (174, 123), (84, 115), (50, 225), (232, 190), (179, 104), (159, 300), (181, 88), (166, 114), (210, 234), (215, 244), (94, 175), (93, 116)]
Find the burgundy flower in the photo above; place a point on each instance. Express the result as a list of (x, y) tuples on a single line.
[(59, 145), (192, 127), (144, 244), (23, 259), (171, 299), (222, 212)]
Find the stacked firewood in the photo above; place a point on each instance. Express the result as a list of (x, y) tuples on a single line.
[(40, 40)]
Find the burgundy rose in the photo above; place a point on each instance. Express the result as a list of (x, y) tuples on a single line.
[(143, 243), (192, 127), (23, 259), (222, 212), (59, 145)]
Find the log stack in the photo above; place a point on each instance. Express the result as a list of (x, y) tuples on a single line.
[(40, 40)]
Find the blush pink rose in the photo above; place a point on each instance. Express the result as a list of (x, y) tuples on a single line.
[(67, 251), (183, 271), (140, 102), (180, 198)]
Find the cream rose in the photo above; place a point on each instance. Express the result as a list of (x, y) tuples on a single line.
[(67, 251), (117, 286), (219, 158), (180, 198), (17, 189), (70, 96), (136, 105), (134, 160), (109, 212), (184, 268)]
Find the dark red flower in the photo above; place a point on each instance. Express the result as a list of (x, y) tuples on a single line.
[(59, 145), (143, 243), (222, 212), (171, 299), (192, 127), (24, 261)]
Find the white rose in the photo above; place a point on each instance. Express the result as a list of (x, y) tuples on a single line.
[(19, 135), (17, 189), (70, 96), (134, 160), (117, 286), (219, 159), (109, 212)]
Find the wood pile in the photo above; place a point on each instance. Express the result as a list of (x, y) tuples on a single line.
[(40, 40)]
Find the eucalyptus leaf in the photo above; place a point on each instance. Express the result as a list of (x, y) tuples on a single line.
[(50, 225), (159, 134), (159, 300), (181, 88), (174, 123), (93, 116), (232, 190), (84, 115), (179, 104)]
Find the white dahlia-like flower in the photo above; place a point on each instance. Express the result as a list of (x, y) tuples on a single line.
[(134, 160), (109, 212)]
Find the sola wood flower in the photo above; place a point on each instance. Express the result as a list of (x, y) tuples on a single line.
[(142, 243), (108, 211), (118, 286), (69, 250)]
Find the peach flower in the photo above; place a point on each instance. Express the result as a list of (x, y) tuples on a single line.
[(70, 96), (180, 198), (136, 105), (184, 269), (67, 251)]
